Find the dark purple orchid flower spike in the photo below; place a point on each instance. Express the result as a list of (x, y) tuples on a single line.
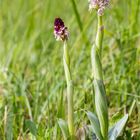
[(60, 31)]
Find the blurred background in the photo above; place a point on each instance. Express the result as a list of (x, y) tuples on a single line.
[(32, 82)]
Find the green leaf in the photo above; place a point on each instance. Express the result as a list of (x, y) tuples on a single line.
[(61, 107), (9, 123), (64, 128), (31, 126), (95, 124), (96, 63), (90, 134), (116, 130), (101, 106)]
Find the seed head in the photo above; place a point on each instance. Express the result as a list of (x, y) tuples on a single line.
[(60, 31), (99, 5)]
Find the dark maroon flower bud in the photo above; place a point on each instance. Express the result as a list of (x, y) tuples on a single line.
[(60, 31)]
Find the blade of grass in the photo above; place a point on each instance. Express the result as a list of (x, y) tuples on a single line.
[(77, 15)]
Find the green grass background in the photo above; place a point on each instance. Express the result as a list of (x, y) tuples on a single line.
[(32, 82)]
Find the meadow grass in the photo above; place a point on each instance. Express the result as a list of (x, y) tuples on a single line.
[(32, 82)]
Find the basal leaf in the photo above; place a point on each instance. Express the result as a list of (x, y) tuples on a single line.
[(116, 130), (95, 124)]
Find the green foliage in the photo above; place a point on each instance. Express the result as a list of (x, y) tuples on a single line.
[(29, 125), (31, 64), (117, 129), (95, 125), (64, 128), (113, 133)]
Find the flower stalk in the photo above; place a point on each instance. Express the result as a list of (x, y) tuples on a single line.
[(100, 34), (100, 121), (100, 93), (61, 33), (66, 61)]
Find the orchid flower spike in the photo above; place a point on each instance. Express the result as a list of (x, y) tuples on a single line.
[(98, 5), (60, 30)]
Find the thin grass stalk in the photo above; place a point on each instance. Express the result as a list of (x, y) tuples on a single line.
[(78, 18), (100, 93), (66, 61)]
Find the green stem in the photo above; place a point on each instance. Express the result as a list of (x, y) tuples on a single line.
[(100, 34), (100, 93), (66, 60)]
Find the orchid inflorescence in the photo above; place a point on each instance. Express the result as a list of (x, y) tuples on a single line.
[(60, 30), (99, 5)]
